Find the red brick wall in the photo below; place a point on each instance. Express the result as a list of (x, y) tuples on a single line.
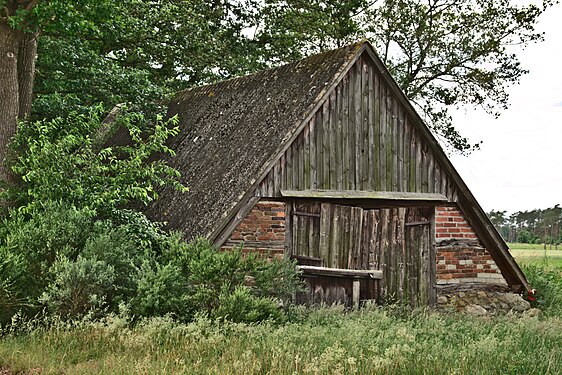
[(461, 257), (450, 223), (262, 230)]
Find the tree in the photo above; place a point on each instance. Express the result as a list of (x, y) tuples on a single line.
[(111, 51), (442, 53), (141, 52)]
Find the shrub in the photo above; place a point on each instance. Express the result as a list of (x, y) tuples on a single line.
[(188, 278), (37, 238), (241, 306), (79, 287), (13, 275)]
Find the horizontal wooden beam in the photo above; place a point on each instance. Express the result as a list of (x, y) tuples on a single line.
[(363, 194), (340, 272)]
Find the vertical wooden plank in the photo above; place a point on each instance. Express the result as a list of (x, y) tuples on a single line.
[(382, 143), (400, 150), (424, 298), (443, 183), (319, 124), (406, 155), (335, 234), (395, 144), (391, 258), (365, 88), (356, 293), (317, 210), (430, 173), (270, 184), (326, 145), (345, 134), (383, 241), (313, 153), (437, 179), (402, 282), (282, 173), (396, 255), (374, 243), (358, 123), (289, 171), (338, 139), (424, 168), (413, 160), (276, 179), (371, 126), (301, 147), (325, 229), (419, 164), (352, 125), (365, 239), (333, 140), (377, 133), (306, 158), (288, 230), (432, 258), (355, 222), (390, 150)]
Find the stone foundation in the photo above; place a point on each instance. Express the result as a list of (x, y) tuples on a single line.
[(480, 299)]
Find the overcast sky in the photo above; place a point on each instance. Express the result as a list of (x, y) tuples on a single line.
[(519, 165)]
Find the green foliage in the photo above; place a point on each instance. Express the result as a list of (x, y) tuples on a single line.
[(241, 306), (526, 237), (161, 289), (137, 51), (30, 244), (195, 277), (547, 280), (78, 287), (62, 159)]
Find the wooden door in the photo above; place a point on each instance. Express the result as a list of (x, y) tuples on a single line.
[(397, 241)]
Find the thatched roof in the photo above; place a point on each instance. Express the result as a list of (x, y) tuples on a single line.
[(231, 130)]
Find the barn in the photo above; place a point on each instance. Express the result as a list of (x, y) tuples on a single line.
[(325, 160)]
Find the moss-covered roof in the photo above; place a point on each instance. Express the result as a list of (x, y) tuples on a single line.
[(231, 130)]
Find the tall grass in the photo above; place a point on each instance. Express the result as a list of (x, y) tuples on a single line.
[(323, 341), (373, 340)]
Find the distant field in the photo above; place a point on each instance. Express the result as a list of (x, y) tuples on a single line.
[(535, 254)]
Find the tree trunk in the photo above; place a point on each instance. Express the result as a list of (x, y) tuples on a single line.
[(9, 96), (26, 72)]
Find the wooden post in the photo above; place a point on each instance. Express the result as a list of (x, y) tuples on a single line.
[(356, 293)]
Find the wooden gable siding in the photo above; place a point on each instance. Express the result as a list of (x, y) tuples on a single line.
[(361, 138)]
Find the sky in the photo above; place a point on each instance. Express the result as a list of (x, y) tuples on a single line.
[(519, 166)]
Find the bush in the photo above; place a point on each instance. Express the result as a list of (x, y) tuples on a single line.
[(161, 290), (31, 243), (79, 287), (194, 277), (241, 306)]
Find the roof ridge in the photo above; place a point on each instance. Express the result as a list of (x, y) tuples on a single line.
[(352, 52)]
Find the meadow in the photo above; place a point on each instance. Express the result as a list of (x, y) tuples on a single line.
[(327, 340)]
